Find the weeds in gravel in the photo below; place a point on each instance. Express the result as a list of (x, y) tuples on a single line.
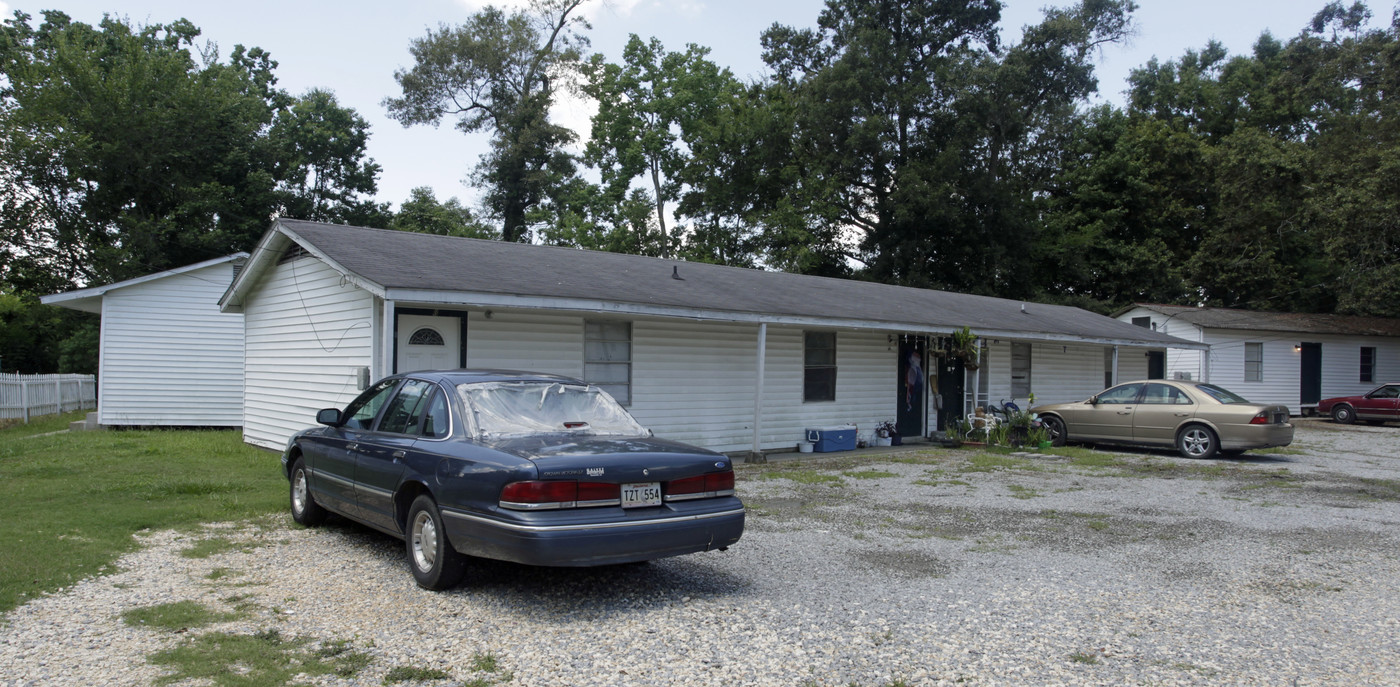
[(125, 482), (178, 615), (1022, 492), (264, 658), (1084, 657), (988, 462), (413, 674), (220, 573), (214, 546), (805, 477), (870, 474)]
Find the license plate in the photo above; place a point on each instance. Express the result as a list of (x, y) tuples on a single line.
[(641, 494), (1280, 418)]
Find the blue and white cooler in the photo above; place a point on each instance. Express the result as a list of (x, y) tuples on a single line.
[(834, 438)]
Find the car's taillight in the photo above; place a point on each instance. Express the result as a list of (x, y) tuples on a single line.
[(701, 486), (556, 494), (1261, 419)]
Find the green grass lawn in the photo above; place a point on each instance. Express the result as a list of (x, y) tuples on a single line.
[(71, 502)]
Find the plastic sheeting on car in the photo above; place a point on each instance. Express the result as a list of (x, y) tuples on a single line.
[(514, 409)]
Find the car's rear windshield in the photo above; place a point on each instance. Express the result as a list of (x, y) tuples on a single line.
[(1222, 395), (516, 409)]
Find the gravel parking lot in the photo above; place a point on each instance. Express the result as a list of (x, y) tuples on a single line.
[(914, 568)]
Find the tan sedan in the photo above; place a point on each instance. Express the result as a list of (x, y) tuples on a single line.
[(1199, 419)]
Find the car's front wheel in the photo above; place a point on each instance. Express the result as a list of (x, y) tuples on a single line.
[(435, 564), (1343, 414), (1055, 427), (305, 510), (1197, 441)]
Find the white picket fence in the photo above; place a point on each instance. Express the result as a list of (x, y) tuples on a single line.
[(25, 396)]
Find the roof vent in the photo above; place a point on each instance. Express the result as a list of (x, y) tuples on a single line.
[(1023, 308), (676, 272)]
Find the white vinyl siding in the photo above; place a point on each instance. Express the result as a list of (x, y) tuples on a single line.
[(168, 356), (694, 383), (1065, 373), (528, 341), (1132, 363), (866, 385), (308, 333)]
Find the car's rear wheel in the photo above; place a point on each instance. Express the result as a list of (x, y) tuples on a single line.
[(1055, 427), (1197, 441), (305, 510), (1343, 414), (435, 564)]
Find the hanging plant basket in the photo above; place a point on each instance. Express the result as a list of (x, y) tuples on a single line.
[(963, 345)]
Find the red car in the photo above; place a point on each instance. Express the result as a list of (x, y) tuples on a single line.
[(1381, 404)]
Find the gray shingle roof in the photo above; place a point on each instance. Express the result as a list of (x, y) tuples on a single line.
[(1253, 320), (398, 260)]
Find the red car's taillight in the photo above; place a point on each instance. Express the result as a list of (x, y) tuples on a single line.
[(701, 486), (556, 494)]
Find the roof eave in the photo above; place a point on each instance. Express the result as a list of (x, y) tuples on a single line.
[(90, 299), (498, 300)]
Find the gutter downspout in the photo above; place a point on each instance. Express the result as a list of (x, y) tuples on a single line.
[(756, 455), (1115, 367)]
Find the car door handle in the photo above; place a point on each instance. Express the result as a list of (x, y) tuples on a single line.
[(1125, 412), (352, 446), (398, 454), (1183, 414)]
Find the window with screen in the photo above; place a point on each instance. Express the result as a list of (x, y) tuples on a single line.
[(607, 358), (1254, 362), (819, 366), (1368, 364)]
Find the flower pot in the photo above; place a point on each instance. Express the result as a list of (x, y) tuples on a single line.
[(804, 447), (896, 440), (1046, 444), (883, 441)]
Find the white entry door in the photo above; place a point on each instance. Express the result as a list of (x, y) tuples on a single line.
[(429, 343)]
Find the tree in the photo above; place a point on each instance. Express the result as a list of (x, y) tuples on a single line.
[(500, 72), (423, 213), (123, 155), (321, 164), (127, 150), (923, 141), (650, 109)]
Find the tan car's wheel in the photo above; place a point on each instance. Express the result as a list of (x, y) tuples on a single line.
[(1055, 427), (1197, 441)]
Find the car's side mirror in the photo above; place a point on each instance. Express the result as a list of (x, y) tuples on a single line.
[(329, 417), (1093, 400)]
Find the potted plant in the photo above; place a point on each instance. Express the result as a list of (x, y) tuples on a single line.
[(886, 434)]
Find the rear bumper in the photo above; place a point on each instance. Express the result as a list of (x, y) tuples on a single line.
[(604, 541), (1242, 437)]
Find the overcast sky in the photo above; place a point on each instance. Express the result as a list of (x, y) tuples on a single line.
[(352, 47)]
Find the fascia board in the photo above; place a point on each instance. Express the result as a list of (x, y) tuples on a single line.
[(496, 300)]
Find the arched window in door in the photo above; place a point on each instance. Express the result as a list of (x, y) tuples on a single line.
[(426, 336)]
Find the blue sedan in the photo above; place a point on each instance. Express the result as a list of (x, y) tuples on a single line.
[(531, 468)]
